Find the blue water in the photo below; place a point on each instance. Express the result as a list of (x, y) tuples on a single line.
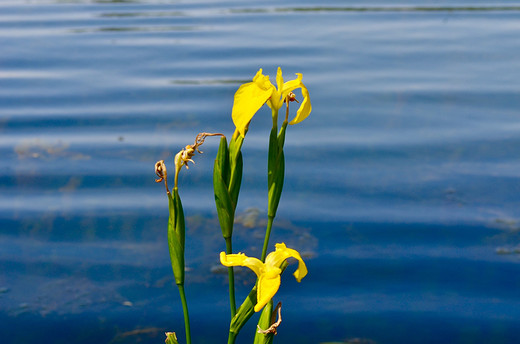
[(402, 187)]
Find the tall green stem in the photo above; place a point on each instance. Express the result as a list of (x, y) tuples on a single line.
[(232, 337), (270, 220), (274, 115), (185, 311), (231, 277)]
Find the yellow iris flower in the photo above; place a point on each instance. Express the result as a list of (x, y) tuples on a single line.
[(269, 272), (250, 97)]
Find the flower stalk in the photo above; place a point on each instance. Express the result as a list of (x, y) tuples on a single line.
[(176, 223), (227, 179)]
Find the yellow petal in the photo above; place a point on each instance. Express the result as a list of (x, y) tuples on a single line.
[(276, 100), (290, 86), (268, 285), (305, 108), (282, 253), (241, 259), (249, 98), (279, 79)]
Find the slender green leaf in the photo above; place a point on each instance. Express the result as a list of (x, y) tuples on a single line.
[(225, 209), (236, 167), (273, 153), (276, 186), (244, 313), (276, 169), (236, 179), (180, 228), (281, 136)]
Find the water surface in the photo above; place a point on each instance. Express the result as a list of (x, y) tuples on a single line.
[(401, 187)]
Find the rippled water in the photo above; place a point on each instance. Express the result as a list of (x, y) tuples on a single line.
[(402, 187)]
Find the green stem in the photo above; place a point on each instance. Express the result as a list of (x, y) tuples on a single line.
[(185, 311), (231, 276), (232, 337), (270, 220), (176, 179)]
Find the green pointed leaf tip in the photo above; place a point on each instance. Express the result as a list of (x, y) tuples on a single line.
[(171, 338), (176, 236)]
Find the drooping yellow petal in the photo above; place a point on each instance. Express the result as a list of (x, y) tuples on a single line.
[(291, 85), (301, 272), (241, 259), (305, 108), (282, 253), (268, 285), (249, 98)]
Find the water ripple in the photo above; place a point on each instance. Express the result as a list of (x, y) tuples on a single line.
[(380, 9)]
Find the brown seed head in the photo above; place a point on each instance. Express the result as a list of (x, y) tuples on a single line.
[(160, 171)]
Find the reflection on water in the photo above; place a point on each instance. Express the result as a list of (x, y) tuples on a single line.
[(143, 14), (401, 190), (208, 82), (394, 8), (136, 29)]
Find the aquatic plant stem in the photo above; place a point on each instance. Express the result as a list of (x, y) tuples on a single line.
[(176, 178), (185, 311), (231, 276), (270, 220), (274, 115), (232, 337)]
